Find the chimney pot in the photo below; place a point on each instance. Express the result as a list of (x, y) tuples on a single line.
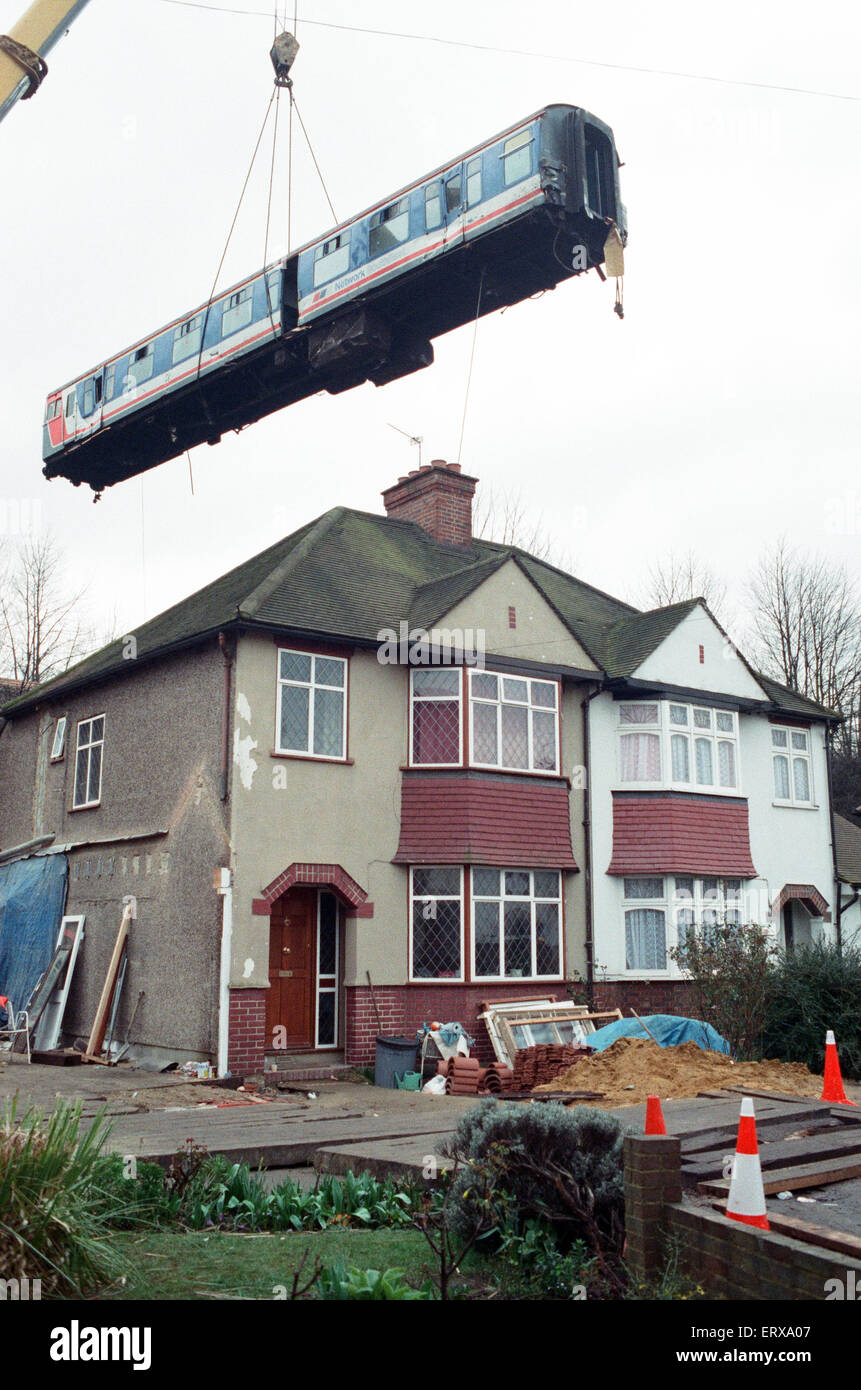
[(438, 497)]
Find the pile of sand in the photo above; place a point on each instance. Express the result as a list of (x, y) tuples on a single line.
[(674, 1072)]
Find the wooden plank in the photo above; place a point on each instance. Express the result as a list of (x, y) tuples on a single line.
[(713, 1137), (825, 1237), (97, 1035), (805, 1175), (785, 1153), (775, 1095)]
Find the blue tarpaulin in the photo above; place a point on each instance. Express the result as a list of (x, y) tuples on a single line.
[(669, 1031), (32, 898)]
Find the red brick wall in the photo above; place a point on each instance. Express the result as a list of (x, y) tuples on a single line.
[(246, 1030), (438, 497), (404, 1008), (646, 996)]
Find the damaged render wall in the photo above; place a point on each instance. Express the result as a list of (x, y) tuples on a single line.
[(159, 832)]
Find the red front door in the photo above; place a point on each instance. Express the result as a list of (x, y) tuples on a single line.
[(292, 982)]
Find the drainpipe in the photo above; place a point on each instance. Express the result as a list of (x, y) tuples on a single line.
[(225, 714), (224, 888), (838, 907), (587, 850)]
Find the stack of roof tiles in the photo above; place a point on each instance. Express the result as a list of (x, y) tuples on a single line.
[(463, 1076), (534, 1066), (498, 1078)]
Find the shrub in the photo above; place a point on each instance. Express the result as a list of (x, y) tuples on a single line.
[(235, 1199), (811, 990), (728, 966), (126, 1200), (338, 1284), (51, 1211), (560, 1166)]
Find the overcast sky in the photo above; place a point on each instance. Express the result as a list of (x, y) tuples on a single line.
[(720, 414)]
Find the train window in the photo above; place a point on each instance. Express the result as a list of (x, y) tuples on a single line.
[(473, 182), (599, 173), (453, 196), (109, 381), (273, 289), (186, 338), (433, 206), (141, 365), (517, 158), (70, 403), (331, 258), (389, 227), (237, 311)]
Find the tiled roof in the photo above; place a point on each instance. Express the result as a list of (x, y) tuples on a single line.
[(469, 819), (847, 838), (682, 834), (349, 574), (791, 701)]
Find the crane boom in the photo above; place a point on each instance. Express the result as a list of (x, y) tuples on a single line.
[(23, 48)]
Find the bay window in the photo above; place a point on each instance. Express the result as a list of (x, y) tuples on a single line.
[(645, 924), (516, 924), (436, 911), (514, 723), (678, 745), (436, 721), (661, 911)]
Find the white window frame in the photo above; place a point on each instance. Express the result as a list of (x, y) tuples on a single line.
[(81, 747), (646, 904), (665, 730), (58, 743), (792, 755), (531, 708), (436, 897), (311, 686), (501, 899), (425, 699)]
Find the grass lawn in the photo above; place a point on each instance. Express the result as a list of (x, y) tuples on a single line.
[(196, 1265)]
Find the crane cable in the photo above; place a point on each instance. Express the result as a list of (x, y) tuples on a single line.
[(471, 361)]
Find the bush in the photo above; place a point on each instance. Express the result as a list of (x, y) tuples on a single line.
[(563, 1167), (729, 966), (51, 1209), (235, 1199), (809, 991), (338, 1284)]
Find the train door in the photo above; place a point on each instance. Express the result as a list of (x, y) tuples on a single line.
[(454, 204), (90, 400), (70, 413)]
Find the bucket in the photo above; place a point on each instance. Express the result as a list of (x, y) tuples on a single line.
[(394, 1056)]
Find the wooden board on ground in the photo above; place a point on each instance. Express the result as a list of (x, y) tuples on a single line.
[(794, 1179), (825, 1237), (788, 1116), (58, 1057), (784, 1154), (408, 1157), (563, 1097)]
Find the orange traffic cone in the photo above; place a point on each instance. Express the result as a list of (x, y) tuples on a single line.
[(654, 1116), (832, 1081), (746, 1201)]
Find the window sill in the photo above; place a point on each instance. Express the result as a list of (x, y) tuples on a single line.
[(436, 980), (87, 806), (482, 767), (311, 758), (795, 805), (676, 787)]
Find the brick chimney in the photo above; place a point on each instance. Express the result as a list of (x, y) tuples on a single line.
[(438, 497)]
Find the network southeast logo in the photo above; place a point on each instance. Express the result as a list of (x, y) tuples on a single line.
[(77, 1343)]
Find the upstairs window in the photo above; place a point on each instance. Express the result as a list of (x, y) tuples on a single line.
[(389, 227), (331, 258), (312, 705), (436, 936), (436, 719), (236, 312), (678, 745), (186, 338), (514, 723), (88, 762), (58, 746), (790, 757), (517, 158)]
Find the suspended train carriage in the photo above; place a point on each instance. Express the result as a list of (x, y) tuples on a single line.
[(522, 212)]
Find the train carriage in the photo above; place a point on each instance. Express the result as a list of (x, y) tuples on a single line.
[(518, 214)]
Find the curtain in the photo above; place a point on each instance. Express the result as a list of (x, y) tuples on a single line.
[(645, 939), (641, 758)]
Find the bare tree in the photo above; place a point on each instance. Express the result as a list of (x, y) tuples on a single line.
[(807, 632), (678, 577), (504, 518), (41, 628)]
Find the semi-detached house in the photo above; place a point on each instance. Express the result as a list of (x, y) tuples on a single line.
[(306, 804)]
